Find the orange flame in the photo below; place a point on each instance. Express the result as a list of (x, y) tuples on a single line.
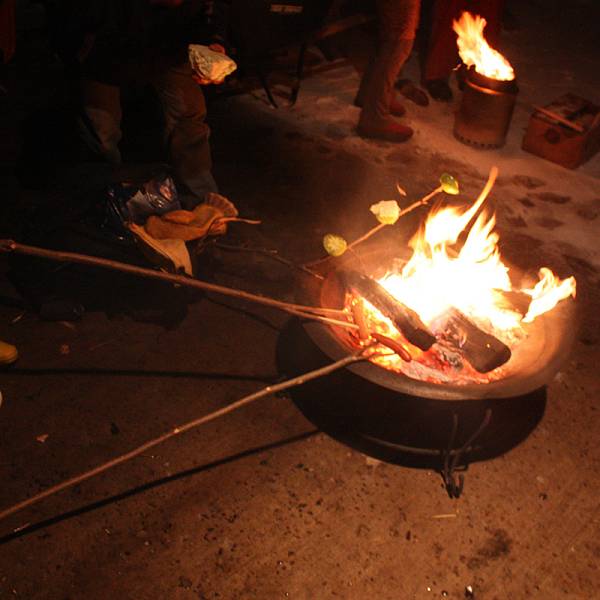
[(472, 278), (474, 50), (547, 293)]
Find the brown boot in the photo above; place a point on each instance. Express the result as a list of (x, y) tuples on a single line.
[(389, 130)]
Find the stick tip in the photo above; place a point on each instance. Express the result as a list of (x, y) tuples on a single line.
[(7, 245)]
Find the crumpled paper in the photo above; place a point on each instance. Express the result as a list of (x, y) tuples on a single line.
[(188, 225), (208, 64)]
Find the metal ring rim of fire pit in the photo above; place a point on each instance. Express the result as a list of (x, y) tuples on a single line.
[(489, 84), (533, 363)]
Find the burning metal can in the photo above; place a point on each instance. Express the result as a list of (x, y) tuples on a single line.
[(484, 115)]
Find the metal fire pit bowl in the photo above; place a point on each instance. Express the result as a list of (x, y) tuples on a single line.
[(533, 362), (485, 110)]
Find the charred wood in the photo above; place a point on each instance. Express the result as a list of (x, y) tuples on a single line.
[(514, 300), (484, 351), (405, 319)]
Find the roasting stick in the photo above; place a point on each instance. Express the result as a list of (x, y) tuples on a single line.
[(486, 190), (324, 315), (12, 246), (267, 391), (271, 254), (380, 226), (329, 321), (408, 209)]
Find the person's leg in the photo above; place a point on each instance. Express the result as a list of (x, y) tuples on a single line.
[(442, 53), (398, 21), (186, 132), (100, 122), (395, 108)]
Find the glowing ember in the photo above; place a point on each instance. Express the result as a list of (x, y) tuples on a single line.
[(443, 276), (474, 50)]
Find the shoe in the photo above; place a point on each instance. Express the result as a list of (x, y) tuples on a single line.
[(8, 353), (409, 90), (439, 89), (390, 131), (396, 107)]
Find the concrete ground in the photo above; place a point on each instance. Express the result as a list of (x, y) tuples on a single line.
[(265, 503)]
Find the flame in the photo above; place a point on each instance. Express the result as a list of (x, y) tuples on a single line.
[(456, 264), (474, 50), (547, 293)]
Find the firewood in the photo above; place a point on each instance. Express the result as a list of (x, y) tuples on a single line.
[(405, 319), (515, 300), (484, 351)]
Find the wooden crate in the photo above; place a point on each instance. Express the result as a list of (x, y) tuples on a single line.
[(556, 142)]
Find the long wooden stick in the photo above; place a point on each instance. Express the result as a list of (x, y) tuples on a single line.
[(271, 389), (380, 226), (270, 253), (12, 246), (328, 320), (408, 209)]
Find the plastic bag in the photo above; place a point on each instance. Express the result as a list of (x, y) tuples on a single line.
[(133, 203), (157, 197)]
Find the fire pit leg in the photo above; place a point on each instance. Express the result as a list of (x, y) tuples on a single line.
[(452, 458)]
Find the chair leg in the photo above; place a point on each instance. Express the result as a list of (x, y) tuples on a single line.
[(299, 73), (265, 84)]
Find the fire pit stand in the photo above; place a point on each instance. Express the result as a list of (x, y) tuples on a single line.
[(401, 428), (452, 458)]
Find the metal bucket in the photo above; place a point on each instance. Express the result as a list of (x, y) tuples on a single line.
[(485, 111)]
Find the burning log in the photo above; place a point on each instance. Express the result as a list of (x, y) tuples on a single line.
[(405, 319), (484, 351), (515, 300)]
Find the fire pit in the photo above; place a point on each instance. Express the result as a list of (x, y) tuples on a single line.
[(441, 426), (531, 365), (457, 324), (453, 336), (490, 92)]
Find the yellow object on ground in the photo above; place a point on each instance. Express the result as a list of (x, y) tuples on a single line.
[(168, 254), (187, 225), (8, 353)]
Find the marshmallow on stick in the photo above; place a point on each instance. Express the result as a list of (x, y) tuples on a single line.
[(208, 64)]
